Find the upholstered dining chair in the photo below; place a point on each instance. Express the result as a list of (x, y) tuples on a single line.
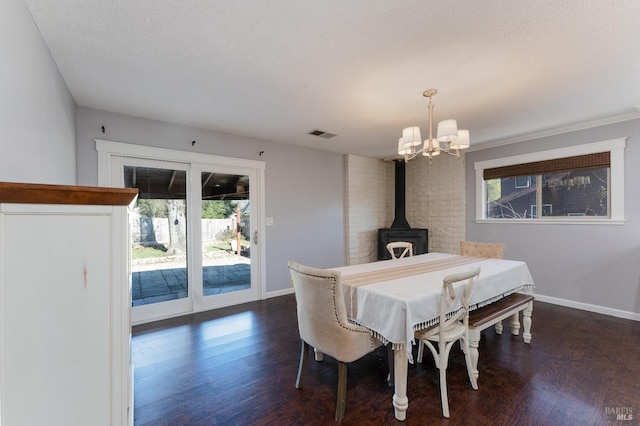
[(400, 249), (451, 329), (488, 250), (323, 324)]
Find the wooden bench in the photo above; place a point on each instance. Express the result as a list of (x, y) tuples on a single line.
[(493, 314)]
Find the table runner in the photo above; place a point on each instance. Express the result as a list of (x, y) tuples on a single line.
[(364, 278), (395, 272)]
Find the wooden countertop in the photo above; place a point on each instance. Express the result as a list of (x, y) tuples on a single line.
[(35, 193)]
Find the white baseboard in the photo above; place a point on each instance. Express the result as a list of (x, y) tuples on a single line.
[(277, 293), (588, 307)]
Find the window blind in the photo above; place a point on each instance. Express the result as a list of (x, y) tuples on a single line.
[(579, 162)]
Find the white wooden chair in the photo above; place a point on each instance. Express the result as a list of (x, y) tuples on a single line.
[(452, 329), (400, 249), (323, 324)]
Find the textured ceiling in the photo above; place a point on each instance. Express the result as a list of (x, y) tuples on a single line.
[(277, 69)]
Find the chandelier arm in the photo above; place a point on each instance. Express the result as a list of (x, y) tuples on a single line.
[(409, 157), (455, 153)]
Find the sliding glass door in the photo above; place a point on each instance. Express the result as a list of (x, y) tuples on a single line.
[(160, 237), (228, 237), (194, 235)]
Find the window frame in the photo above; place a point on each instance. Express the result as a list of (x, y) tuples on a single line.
[(616, 183), (527, 185), (534, 210)]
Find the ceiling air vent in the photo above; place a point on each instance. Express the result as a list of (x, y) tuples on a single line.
[(321, 134)]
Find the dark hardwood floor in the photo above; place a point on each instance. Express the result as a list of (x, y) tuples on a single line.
[(237, 366)]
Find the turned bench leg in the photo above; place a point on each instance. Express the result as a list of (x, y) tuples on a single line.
[(515, 323), (526, 319)]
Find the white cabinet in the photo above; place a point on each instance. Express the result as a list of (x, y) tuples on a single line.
[(64, 306)]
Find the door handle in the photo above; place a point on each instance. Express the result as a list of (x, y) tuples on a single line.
[(255, 237)]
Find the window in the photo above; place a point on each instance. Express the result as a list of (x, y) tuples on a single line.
[(579, 184), (523, 181), (547, 209)]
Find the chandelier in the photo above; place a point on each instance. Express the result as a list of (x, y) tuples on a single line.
[(449, 139)]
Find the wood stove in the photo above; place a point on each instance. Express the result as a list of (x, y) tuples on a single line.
[(400, 229)]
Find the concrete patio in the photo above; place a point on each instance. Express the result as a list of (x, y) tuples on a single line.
[(163, 281)]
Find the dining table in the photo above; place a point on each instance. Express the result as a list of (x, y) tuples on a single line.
[(395, 298)]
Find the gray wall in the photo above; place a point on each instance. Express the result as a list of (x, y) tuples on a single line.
[(577, 264), (304, 187), (37, 112)]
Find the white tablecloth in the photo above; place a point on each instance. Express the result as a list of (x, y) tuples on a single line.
[(393, 308)]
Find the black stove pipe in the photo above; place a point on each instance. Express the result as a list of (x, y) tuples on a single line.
[(400, 219)]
